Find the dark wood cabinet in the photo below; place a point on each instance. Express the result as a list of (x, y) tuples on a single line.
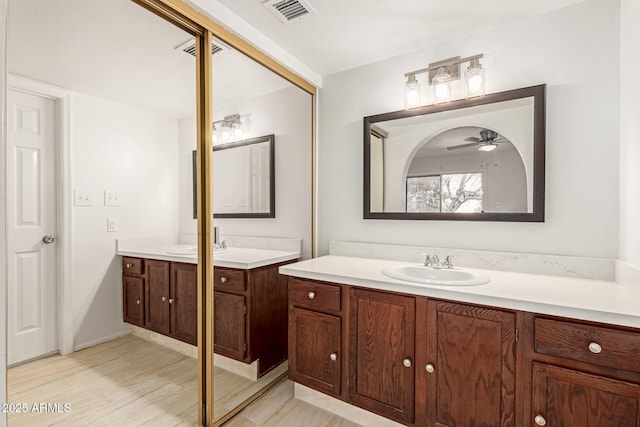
[(436, 363), (161, 296), (157, 290), (568, 398), (230, 326), (133, 300), (183, 302), (315, 353), (382, 353), (251, 315), (470, 365)]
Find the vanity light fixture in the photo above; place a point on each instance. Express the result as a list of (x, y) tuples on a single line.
[(440, 74), (232, 128)]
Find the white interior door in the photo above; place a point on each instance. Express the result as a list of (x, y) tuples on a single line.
[(31, 227)]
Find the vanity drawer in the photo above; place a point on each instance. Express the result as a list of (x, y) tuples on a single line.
[(593, 344), (132, 266), (313, 295), (227, 279)]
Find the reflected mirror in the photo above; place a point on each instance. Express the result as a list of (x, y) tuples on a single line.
[(480, 159), (244, 177)]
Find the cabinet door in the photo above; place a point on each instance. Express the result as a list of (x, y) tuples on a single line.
[(229, 335), (158, 296), (381, 355), (133, 300), (183, 302), (562, 397), (315, 350), (470, 366)]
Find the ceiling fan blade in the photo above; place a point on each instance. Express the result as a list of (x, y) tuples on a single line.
[(455, 147), (473, 138), (499, 140)]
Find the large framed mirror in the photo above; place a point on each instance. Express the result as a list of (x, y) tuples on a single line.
[(479, 159), (244, 173)]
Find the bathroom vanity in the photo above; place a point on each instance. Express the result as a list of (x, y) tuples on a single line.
[(523, 349), (160, 294)]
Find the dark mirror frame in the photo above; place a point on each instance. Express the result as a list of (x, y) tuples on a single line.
[(272, 178), (539, 130)]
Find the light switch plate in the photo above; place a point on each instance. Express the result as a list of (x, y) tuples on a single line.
[(83, 198), (112, 198), (112, 225)]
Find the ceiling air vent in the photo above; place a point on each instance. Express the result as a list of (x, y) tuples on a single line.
[(289, 10), (190, 47)]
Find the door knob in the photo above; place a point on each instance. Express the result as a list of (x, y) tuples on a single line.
[(333, 356), (407, 362), (164, 299), (539, 420), (171, 300), (430, 369), (48, 239)]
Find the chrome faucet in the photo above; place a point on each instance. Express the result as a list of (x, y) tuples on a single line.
[(434, 262)]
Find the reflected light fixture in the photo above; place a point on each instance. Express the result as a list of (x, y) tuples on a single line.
[(440, 75), (412, 92), (230, 129), (474, 79), (488, 146)]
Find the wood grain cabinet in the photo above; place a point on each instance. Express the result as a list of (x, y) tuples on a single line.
[(133, 291), (470, 365), (382, 353), (584, 374), (316, 347), (250, 315), (161, 296)]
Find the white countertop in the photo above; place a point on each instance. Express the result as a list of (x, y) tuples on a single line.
[(244, 258), (596, 300)]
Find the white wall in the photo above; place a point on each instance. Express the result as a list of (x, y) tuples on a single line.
[(575, 52), (115, 147), (287, 115), (630, 133), (3, 235)]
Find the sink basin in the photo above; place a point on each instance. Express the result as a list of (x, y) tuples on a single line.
[(435, 276), (183, 250)]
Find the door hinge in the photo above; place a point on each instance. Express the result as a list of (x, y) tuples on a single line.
[(517, 334), (244, 309)]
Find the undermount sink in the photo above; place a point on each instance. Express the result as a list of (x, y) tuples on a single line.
[(435, 276)]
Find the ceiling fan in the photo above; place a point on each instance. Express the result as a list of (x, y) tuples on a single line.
[(488, 141)]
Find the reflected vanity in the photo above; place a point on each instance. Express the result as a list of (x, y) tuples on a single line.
[(479, 159)]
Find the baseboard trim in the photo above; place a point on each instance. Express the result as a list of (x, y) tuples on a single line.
[(165, 341), (249, 371), (343, 409), (101, 340)]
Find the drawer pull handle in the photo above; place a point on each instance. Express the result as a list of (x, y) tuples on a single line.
[(407, 362), (138, 301), (312, 295), (223, 279), (334, 356), (539, 420), (595, 348), (164, 299), (430, 368)]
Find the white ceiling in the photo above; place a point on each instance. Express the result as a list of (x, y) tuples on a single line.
[(116, 50), (349, 33)]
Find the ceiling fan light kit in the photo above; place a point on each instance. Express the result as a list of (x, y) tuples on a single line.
[(440, 75), (488, 141)]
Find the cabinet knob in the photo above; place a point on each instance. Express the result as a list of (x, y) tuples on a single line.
[(312, 295), (333, 356), (171, 300), (430, 368), (138, 301), (223, 279), (595, 348), (407, 362), (164, 299), (539, 420), (129, 265)]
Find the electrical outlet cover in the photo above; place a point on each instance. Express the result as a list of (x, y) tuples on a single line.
[(112, 225), (112, 198), (82, 198)]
